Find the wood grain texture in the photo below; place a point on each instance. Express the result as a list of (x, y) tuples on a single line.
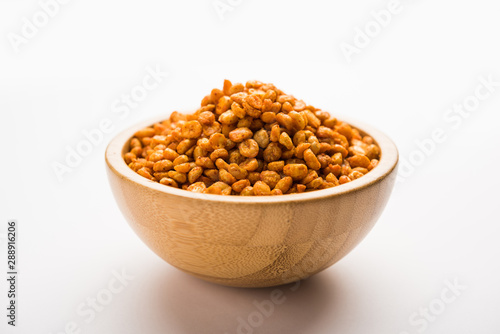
[(251, 241)]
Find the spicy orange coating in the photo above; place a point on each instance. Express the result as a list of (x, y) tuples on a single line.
[(252, 140)]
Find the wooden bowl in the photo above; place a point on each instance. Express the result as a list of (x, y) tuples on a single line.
[(251, 241)]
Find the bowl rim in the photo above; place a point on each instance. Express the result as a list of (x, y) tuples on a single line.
[(387, 163)]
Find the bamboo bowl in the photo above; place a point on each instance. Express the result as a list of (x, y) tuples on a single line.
[(251, 241)]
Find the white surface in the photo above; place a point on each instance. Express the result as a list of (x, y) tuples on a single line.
[(441, 223)]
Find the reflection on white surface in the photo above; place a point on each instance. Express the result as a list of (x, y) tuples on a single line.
[(189, 305)]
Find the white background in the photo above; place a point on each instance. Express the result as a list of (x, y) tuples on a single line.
[(440, 225)]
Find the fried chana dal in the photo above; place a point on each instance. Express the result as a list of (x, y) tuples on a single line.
[(252, 140)]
